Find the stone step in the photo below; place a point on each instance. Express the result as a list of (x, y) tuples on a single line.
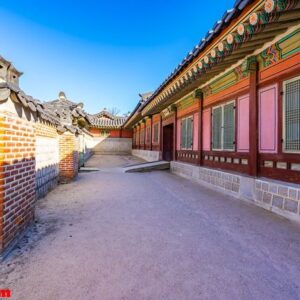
[(148, 166)]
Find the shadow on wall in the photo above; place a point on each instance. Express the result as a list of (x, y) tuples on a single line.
[(17, 198), (46, 180)]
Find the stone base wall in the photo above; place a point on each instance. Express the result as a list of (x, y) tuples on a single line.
[(279, 197), (146, 154), (282, 198)]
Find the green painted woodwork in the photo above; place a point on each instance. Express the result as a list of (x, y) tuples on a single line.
[(290, 44)]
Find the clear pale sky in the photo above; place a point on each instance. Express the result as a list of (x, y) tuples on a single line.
[(102, 53)]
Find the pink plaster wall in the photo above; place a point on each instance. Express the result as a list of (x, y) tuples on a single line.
[(178, 134), (196, 131), (243, 124), (268, 119), (206, 131)]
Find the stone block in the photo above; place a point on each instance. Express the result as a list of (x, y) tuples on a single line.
[(258, 185), (283, 191), (265, 186), (267, 197), (235, 187), (273, 189), (291, 205), (293, 193), (258, 195), (278, 201)]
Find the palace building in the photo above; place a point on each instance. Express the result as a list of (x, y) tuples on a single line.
[(229, 114)]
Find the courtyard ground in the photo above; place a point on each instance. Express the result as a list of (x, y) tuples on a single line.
[(111, 235)]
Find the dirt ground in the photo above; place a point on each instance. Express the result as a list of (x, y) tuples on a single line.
[(111, 235)]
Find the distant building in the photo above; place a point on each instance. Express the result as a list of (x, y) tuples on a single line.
[(105, 124)]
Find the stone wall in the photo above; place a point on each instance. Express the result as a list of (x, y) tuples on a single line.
[(111, 145), (282, 198), (279, 197), (226, 182), (146, 154)]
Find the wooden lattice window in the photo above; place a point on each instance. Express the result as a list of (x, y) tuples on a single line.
[(142, 137), (155, 133), (291, 112), (186, 139), (148, 135), (223, 127)]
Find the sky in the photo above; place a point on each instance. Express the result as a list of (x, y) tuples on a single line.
[(101, 53)]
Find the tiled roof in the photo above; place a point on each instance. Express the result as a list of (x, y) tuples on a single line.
[(34, 105), (8, 89), (66, 109), (104, 113), (117, 122)]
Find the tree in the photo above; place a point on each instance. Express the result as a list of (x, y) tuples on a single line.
[(114, 111)]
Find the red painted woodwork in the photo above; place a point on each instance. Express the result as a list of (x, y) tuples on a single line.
[(243, 123), (268, 119), (168, 142), (206, 131), (187, 156)]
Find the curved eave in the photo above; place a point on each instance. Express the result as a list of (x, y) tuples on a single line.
[(106, 127), (201, 66)]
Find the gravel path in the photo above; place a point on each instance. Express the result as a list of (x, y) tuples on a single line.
[(111, 235)]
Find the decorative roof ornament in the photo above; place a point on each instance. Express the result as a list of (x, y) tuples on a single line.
[(230, 39), (241, 29), (62, 96), (213, 53)]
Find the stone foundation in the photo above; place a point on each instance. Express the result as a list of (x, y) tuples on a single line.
[(279, 197), (146, 154), (282, 198)]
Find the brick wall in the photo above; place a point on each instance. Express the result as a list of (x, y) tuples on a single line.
[(17, 177), (68, 157), (47, 158)]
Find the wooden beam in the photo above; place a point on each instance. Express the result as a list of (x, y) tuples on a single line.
[(253, 121)]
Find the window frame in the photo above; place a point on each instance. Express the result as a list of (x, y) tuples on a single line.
[(192, 132), (284, 83), (153, 138), (142, 137), (222, 126), (148, 135)]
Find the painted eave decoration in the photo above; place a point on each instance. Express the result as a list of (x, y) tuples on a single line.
[(242, 30)]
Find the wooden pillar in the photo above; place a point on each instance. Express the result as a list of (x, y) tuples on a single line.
[(253, 118), (175, 134), (145, 127), (138, 136), (151, 124), (199, 96), (133, 137), (161, 137)]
